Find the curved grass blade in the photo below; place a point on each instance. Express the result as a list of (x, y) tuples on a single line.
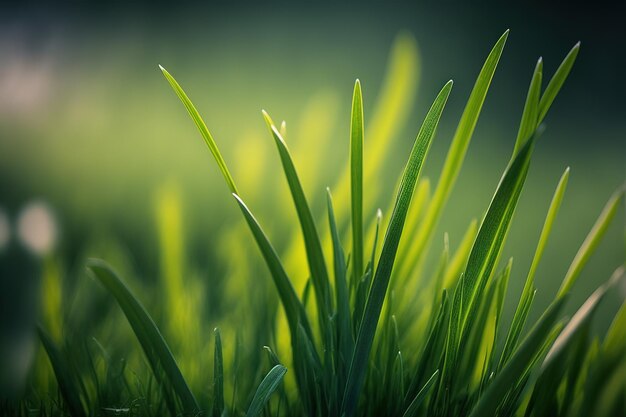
[(218, 376), (294, 310), (591, 241), (204, 131), (154, 346), (371, 315), (315, 256), (491, 237), (458, 149), (523, 307), (421, 395), (356, 180), (556, 82), (67, 384), (265, 390)]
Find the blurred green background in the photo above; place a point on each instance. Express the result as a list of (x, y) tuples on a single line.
[(89, 126)]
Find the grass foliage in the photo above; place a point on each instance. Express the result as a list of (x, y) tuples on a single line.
[(369, 330)]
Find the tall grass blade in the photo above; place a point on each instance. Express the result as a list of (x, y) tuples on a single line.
[(294, 310), (204, 131), (154, 346), (458, 148), (371, 315), (531, 108), (421, 395), (523, 307), (265, 390), (591, 241), (315, 256), (356, 180)]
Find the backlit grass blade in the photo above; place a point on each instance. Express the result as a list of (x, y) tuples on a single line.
[(491, 236), (356, 180), (591, 241), (518, 364), (204, 131), (154, 346), (65, 379), (265, 390), (531, 108), (556, 82), (315, 256), (421, 395), (371, 315), (523, 307), (458, 148), (218, 376), (294, 310)]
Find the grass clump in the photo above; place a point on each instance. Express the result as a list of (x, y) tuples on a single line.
[(375, 332)]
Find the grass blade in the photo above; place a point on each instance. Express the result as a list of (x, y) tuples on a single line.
[(531, 108), (204, 131), (591, 241), (556, 82), (294, 310), (356, 180), (218, 376), (315, 256), (154, 346), (371, 315), (523, 307), (458, 149), (265, 390), (419, 398), (65, 379)]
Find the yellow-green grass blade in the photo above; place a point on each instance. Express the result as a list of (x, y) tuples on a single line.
[(523, 307), (152, 342), (530, 114), (356, 180), (591, 241), (204, 131), (218, 376), (66, 381), (556, 82), (373, 307), (518, 365), (458, 149), (421, 395), (265, 390), (294, 310), (315, 256)]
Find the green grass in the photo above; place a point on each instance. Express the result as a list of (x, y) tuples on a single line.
[(375, 330)]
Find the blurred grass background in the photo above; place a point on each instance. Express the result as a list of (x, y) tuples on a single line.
[(89, 126)]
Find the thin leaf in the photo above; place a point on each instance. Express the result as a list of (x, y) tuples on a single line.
[(265, 390), (528, 123), (356, 180), (315, 256), (419, 398), (591, 241), (157, 351), (204, 131), (218, 376), (371, 315), (555, 84)]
